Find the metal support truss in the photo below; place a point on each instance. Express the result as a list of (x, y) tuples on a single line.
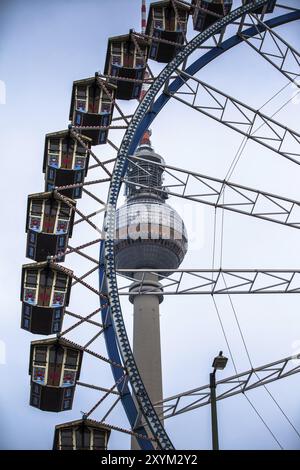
[(115, 333), (274, 49), (240, 383), (74, 209), (223, 194), (239, 116), (77, 136), (216, 281)]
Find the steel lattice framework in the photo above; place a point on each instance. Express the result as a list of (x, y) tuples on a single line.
[(247, 121), (286, 59), (230, 386), (226, 195), (218, 281), (242, 118)]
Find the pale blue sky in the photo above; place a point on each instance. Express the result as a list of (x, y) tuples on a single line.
[(44, 46)]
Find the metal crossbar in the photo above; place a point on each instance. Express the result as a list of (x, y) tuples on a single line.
[(215, 281), (230, 386), (273, 48), (240, 117), (224, 194)]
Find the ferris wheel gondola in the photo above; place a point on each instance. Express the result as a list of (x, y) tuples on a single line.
[(54, 368), (49, 225), (168, 23), (66, 160), (92, 106), (125, 64)]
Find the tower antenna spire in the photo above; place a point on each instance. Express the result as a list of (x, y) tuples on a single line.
[(146, 137), (143, 17)]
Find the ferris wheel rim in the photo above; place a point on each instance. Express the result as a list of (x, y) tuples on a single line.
[(130, 142)]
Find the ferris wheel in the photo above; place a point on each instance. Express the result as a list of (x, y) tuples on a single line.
[(144, 242)]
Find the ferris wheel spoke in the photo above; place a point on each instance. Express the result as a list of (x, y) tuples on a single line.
[(144, 60), (105, 162), (84, 255), (76, 135), (82, 282), (84, 245), (82, 185), (111, 408), (240, 117), (114, 146), (130, 432), (214, 281), (93, 196), (107, 394), (220, 193), (89, 216), (83, 216), (113, 101), (96, 387), (82, 319), (96, 336), (89, 258), (86, 274), (239, 383), (273, 48), (86, 319)]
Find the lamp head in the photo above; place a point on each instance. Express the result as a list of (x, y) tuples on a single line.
[(220, 361)]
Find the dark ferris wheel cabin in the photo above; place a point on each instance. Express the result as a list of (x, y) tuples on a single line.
[(92, 104), (45, 292), (126, 57), (83, 434), (207, 12), (49, 226), (164, 24), (54, 369), (65, 162)]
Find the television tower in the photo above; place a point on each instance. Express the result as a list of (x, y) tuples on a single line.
[(150, 234)]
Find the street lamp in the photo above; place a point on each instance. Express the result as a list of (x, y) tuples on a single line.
[(219, 363)]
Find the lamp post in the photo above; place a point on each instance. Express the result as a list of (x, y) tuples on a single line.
[(219, 363)]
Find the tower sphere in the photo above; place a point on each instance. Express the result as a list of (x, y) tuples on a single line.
[(149, 233)]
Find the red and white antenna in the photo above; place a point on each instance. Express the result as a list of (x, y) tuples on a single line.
[(143, 31), (143, 16), (145, 140)]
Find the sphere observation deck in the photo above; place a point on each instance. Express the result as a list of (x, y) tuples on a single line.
[(149, 233)]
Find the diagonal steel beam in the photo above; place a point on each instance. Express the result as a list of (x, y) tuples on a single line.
[(230, 386), (237, 198), (280, 55), (241, 117), (215, 281)]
